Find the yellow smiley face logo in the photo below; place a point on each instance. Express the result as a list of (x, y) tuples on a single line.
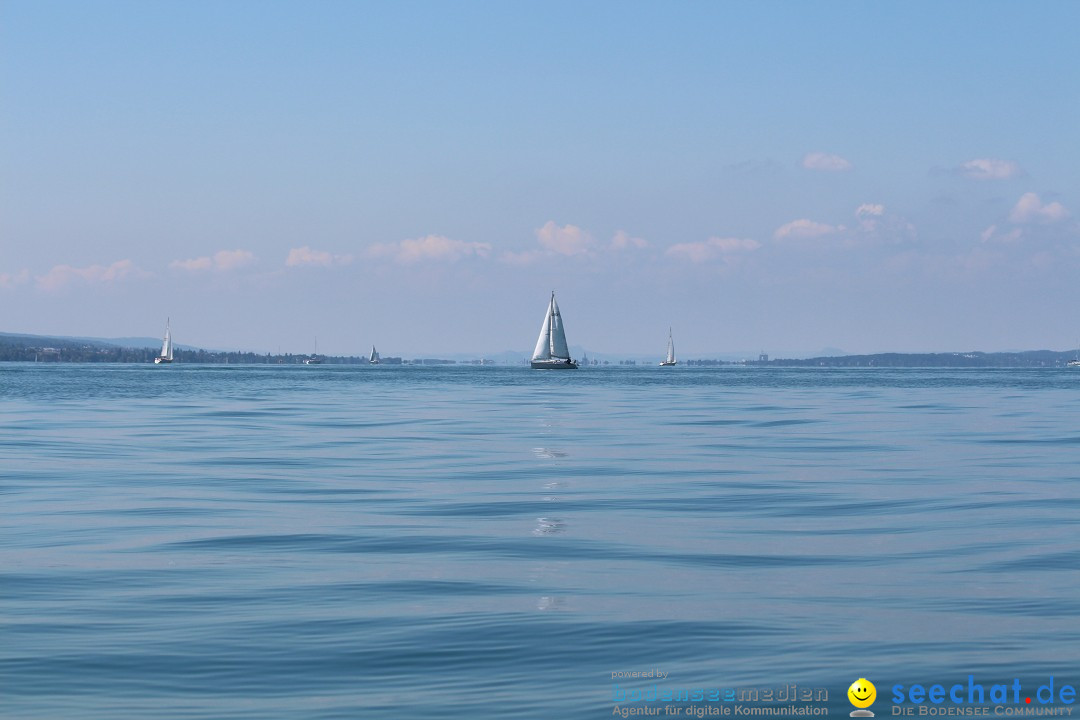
[(862, 693)]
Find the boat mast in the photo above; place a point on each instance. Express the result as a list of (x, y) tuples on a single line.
[(551, 329)]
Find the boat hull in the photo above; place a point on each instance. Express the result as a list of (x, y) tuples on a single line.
[(161, 360), (668, 364), (554, 365)]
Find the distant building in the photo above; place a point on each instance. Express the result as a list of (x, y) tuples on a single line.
[(47, 355)]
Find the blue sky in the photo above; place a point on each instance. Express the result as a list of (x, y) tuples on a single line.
[(760, 176)]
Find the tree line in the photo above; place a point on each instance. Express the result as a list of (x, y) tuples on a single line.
[(15, 349)]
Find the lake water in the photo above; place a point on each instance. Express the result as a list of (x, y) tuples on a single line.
[(464, 542)]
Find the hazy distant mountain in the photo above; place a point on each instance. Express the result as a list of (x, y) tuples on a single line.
[(135, 342), (974, 359), (126, 342), (41, 340)]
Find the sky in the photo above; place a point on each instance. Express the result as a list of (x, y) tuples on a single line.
[(758, 176)]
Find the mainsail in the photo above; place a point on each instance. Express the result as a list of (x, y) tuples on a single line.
[(166, 355), (558, 334), (166, 344), (670, 359)]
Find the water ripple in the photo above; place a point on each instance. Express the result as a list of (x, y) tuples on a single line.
[(465, 542)]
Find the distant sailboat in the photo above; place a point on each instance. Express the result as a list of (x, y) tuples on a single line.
[(374, 359), (551, 352), (670, 351), (1076, 362), (166, 355), (314, 359)]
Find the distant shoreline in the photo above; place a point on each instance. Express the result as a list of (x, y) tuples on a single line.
[(33, 348)]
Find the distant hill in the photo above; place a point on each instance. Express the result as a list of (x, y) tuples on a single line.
[(55, 341), (14, 347), (975, 359), (131, 342)]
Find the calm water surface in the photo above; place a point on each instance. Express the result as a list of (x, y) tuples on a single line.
[(465, 542)]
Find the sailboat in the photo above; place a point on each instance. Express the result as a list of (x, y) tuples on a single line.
[(314, 359), (670, 351), (374, 359), (1076, 362), (551, 352), (166, 355)]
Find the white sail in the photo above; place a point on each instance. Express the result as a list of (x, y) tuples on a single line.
[(558, 333), (166, 344), (551, 350), (670, 359), (374, 358), (543, 343)]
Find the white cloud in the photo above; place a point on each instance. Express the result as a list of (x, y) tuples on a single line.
[(565, 240), (430, 247), (1031, 209), (221, 260), (232, 259), (306, 256), (526, 257), (825, 161), (570, 240), (10, 280), (869, 216), (989, 169), (874, 226), (62, 275), (805, 229), (623, 240), (713, 247), (991, 234), (203, 263)]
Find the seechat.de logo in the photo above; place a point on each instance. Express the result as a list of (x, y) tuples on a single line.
[(862, 694)]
